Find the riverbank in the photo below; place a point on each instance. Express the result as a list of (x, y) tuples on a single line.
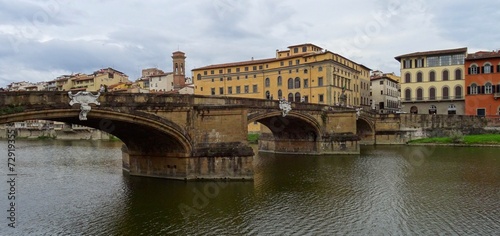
[(478, 140)]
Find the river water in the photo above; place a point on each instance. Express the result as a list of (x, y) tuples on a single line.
[(78, 188)]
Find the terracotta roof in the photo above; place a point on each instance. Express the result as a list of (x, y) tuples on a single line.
[(161, 74), (240, 63), (482, 55), (382, 77), (254, 62), (433, 53)]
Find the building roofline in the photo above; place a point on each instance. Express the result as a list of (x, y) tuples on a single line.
[(482, 55), (383, 77), (305, 44), (432, 53)]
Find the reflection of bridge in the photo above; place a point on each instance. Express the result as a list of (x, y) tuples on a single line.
[(188, 137)]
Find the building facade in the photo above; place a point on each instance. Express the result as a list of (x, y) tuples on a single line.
[(161, 82), (483, 83), (303, 73), (158, 81), (385, 91), (433, 82)]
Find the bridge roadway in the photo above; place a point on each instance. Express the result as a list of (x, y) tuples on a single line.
[(194, 137)]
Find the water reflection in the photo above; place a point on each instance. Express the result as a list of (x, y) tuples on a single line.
[(79, 187)]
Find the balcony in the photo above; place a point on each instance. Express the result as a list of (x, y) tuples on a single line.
[(496, 95), (432, 99)]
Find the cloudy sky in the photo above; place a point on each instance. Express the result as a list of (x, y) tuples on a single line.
[(43, 39)]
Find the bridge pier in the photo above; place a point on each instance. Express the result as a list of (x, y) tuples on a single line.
[(211, 166), (333, 144)]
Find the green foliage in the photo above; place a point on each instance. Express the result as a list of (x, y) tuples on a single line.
[(459, 138), (114, 138), (482, 138), (253, 138), (10, 109), (323, 117), (432, 140), (456, 136)]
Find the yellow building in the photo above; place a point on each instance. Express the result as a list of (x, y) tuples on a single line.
[(432, 82), (90, 82), (303, 73), (107, 77)]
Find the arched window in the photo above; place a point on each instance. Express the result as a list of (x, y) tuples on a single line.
[(280, 94), (305, 71), (419, 76), (297, 82), (432, 93), (290, 97), (458, 74), (432, 109), (414, 110), (474, 89), (420, 94), (473, 70), (268, 82), (268, 95), (198, 77), (446, 75), (408, 94), (432, 76), (488, 88), (408, 77), (280, 81), (452, 109), (487, 68), (320, 68), (297, 97), (458, 92), (446, 93), (290, 83)]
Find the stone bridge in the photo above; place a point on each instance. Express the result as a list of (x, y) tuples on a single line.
[(193, 137)]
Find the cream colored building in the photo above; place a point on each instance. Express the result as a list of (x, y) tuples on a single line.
[(161, 82), (385, 92), (302, 73), (432, 82)]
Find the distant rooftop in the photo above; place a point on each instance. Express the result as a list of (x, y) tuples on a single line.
[(483, 55), (433, 53)]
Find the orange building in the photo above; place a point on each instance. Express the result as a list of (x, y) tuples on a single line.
[(483, 83)]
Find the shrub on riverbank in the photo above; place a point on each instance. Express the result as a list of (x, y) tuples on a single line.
[(253, 138)]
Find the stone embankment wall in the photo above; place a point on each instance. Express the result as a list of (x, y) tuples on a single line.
[(84, 134), (401, 128)]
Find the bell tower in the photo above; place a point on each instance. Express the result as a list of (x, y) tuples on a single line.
[(178, 62)]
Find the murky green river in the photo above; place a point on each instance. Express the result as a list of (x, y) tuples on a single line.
[(78, 188)]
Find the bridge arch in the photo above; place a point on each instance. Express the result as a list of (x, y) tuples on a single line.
[(142, 134), (295, 133), (365, 129)]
